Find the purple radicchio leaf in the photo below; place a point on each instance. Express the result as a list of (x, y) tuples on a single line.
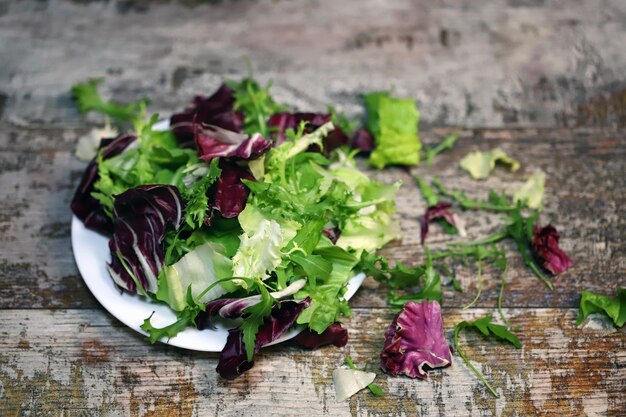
[(335, 334), (415, 340), (233, 360), (545, 248), (438, 211), (142, 215), (363, 140), (279, 123), (231, 194), (233, 308), (215, 110), (215, 142), (83, 205)]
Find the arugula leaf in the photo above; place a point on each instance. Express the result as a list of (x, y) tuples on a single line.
[(431, 152), (186, 318), (393, 122), (251, 324), (496, 201), (430, 282), (429, 194), (374, 389), (614, 307), (489, 329), (256, 104), (88, 99)]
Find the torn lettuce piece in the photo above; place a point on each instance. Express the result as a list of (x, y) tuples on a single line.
[(531, 193), (393, 122), (369, 232), (415, 342), (350, 381), (262, 240), (480, 164), (197, 270), (614, 307)]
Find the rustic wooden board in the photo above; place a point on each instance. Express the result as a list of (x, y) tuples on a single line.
[(494, 63), (39, 173), (70, 362)]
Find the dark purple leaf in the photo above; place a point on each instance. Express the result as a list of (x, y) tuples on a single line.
[(332, 233), (230, 193), (279, 123), (545, 247), (83, 205), (233, 360), (415, 341), (438, 211), (363, 140), (335, 334), (227, 308), (215, 142), (142, 215), (215, 110)]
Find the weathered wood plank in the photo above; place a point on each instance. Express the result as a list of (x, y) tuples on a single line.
[(494, 63), (38, 174), (64, 362)]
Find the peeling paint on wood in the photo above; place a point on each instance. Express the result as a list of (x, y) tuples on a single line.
[(109, 370), (497, 63)]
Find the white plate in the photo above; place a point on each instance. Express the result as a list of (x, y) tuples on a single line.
[(91, 252)]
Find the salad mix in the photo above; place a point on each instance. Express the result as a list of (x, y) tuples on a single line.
[(239, 210), (244, 210)]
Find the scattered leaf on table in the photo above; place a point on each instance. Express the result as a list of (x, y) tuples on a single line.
[(480, 164), (614, 307), (531, 193)]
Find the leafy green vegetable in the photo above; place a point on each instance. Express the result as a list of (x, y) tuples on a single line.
[(531, 193), (520, 229), (88, 99), (195, 271), (489, 329), (393, 122), (374, 389), (251, 324), (196, 194), (155, 159), (431, 152), (256, 104), (495, 202), (480, 164), (430, 283), (614, 307), (186, 318), (429, 194)]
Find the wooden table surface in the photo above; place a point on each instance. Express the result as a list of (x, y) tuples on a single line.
[(544, 80)]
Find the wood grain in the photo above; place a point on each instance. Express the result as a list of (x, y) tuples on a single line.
[(498, 63), (543, 79), (71, 361)]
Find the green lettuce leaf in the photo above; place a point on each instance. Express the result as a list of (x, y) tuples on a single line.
[(614, 307), (531, 193), (194, 272), (480, 164), (393, 122)]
